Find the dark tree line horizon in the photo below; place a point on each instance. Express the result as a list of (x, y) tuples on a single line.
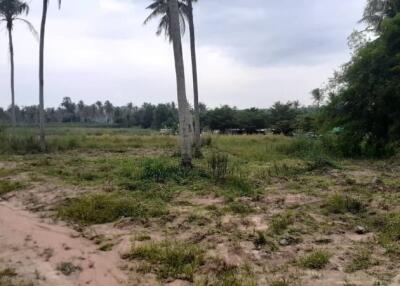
[(285, 117)]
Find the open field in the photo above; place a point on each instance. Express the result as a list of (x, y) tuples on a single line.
[(113, 207)]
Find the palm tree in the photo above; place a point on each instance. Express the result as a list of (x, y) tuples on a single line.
[(185, 119), (10, 10), (41, 73), (160, 8)]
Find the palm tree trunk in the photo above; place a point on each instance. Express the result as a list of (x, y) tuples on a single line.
[(10, 39), (185, 118), (197, 139), (41, 77)]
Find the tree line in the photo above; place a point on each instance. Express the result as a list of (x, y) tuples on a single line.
[(284, 118)]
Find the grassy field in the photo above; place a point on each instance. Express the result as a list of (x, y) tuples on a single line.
[(256, 210)]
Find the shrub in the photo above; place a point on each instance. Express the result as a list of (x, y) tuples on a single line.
[(316, 260), (218, 165), (206, 141), (240, 208), (170, 259)]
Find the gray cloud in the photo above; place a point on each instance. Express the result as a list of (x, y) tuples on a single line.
[(251, 53)]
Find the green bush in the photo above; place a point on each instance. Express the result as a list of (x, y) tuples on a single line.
[(280, 222), (388, 228)]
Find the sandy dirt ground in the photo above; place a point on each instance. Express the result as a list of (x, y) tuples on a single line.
[(39, 249)]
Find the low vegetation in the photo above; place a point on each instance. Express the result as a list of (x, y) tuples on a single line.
[(318, 259), (169, 259)]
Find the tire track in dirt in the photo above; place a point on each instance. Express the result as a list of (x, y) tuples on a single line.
[(35, 248)]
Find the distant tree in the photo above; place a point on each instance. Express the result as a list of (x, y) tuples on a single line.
[(222, 118), (108, 109), (10, 11), (318, 96), (367, 106), (251, 120), (282, 117), (41, 74)]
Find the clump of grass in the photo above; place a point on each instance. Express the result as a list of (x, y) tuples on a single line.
[(388, 228), (104, 208), (361, 261), (67, 268), (218, 165), (321, 163), (340, 204), (7, 186), (316, 260), (280, 222), (169, 259), (206, 141), (7, 272), (238, 207), (234, 276)]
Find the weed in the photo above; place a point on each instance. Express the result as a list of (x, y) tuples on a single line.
[(170, 259), (316, 260), (67, 268), (260, 240), (206, 141)]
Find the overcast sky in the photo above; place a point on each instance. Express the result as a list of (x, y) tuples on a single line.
[(250, 52)]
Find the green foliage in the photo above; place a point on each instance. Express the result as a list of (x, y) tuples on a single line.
[(340, 204), (367, 106), (316, 260), (240, 208), (103, 208), (169, 259), (7, 186)]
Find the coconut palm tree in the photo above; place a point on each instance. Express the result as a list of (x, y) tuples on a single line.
[(10, 10), (160, 9), (185, 118), (41, 73)]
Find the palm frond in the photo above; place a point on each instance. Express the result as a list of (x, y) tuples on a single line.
[(30, 27)]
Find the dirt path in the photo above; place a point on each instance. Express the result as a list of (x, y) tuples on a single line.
[(36, 249)]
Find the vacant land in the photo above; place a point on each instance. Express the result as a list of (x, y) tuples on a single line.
[(113, 207)]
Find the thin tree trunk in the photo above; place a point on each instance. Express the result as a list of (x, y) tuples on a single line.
[(197, 139), (185, 118), (10, 39), (41, 77)]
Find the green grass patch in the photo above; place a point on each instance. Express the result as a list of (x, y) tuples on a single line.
[(169, 259), (362, 260), (104, 207), (316, 260), (340, 204), (281, 222), (7, 186)]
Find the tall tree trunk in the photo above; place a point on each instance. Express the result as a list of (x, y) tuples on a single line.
[(41, 77), (185, 118), (10, 39), (197, 139)]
